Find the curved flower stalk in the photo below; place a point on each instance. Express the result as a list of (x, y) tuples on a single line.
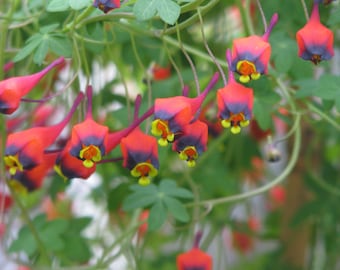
[(195, 258), (250, 55), (25, 149), (106, 5), (13, 89), (140, 158), (39, 116), (314, 40), (192, 143), (235, 103), (173, 113)]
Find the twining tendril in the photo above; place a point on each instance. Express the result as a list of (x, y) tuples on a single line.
[(190, 62), (305, 10), (209, 50), (288, 169), (173, 63), (264, 21)]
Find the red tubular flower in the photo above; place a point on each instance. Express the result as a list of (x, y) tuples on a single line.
[(314, 40), (68, 166), (25, 149), (194, 259), (88, 138), (7, 202), (250, 55), (235, 103), (277, 196), (192, 143), (42, 114), (242, 237), (106, 5), (140, 158), (13, 89), (30, 180), (173, 113), (140, 155), (142, 229), (8, 66), (159, 73)]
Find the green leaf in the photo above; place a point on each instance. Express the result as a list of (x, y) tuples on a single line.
[(285, 51), (79, 4), (166, 184), (145, 9), (168, 10), (139, 200), (337, 103), (77, 249), (58, 5), (56, 226), (41, 52), (24, 243), (328, 87), (307, 87), (79, 224), (169, 187), (334, 17), (150, 189), (157, 216), (49, 28), (116, 196), (60, 45), (177, 209), (261, 114), (33, 43), (307, 211)]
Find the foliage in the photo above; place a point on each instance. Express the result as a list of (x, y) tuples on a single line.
[(155, 49)]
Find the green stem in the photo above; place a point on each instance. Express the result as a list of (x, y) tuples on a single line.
[(192, 66), (193, 19), (193, 50), (274, 182), (79, 18), (123, 240), (42, 249), (246, 18), (191, 6), (324, 116), (325, 186), (103, 18)]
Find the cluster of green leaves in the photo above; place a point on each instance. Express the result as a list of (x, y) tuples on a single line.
[(62, 239), (161, 199), (326, 87), (63, 5), (47, 39), (168, 10), (109, 38)]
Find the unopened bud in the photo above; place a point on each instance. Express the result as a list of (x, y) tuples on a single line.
[(273, 154)]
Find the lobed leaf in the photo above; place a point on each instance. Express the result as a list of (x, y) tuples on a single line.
[(157, 216), (177, 209), (58, 5)]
